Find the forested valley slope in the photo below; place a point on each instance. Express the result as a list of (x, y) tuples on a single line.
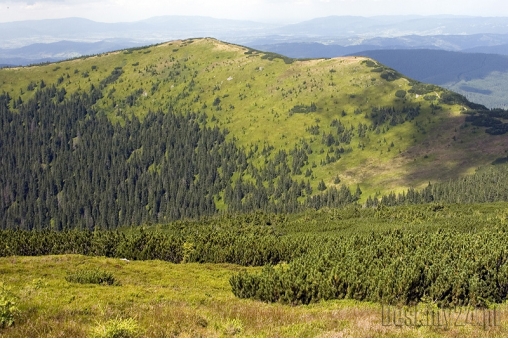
[(194, 127)]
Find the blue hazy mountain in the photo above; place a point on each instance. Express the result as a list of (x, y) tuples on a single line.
[(481, 77)]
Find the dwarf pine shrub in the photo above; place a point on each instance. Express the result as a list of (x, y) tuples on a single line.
[(91, 276)]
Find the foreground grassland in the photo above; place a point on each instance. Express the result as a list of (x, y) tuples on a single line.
[(159, 299)]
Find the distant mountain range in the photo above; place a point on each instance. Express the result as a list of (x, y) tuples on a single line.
[(65, 49), (440, 67), (497, 49), (153, 30), (341, 30), (482, 78), (477, 43), (389, 26), (36, 41), (55, 51)]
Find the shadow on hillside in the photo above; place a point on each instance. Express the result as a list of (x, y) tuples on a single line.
[(448, 151)]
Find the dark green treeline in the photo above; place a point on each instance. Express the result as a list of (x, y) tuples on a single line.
[(63, 165), (487, 185)]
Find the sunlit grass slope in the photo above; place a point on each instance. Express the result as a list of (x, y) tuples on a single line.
[(267, 100)]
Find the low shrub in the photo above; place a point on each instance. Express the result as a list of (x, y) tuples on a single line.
[(117, 328), (230, 328), (400, 94), (92, 276), (8, 309)]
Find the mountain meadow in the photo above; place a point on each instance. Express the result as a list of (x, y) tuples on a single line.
[(201, 188)]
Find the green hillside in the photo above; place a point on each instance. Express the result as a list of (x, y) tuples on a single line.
[(340, 121), (197, 161)]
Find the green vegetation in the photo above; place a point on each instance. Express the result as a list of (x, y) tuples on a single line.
[(481, 78), (341, 177), (329, 254), (8, 308), (490, 119), (116, 328), (91, 276), (400, 94), (259, 95), (400, 267), (445, 254), (304, 108), (486, 185), (390, 75), (92, 173), (159, 299)]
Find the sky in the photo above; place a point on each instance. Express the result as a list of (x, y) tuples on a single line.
[(275, 11)]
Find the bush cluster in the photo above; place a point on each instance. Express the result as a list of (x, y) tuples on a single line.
[(91, 276), (396, 267)]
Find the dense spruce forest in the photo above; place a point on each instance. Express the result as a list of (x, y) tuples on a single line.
[(64, 165)]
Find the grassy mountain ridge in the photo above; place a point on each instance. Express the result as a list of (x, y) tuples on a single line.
[(361, 121)]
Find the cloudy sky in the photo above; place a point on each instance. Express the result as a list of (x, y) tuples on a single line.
[(259, 10)]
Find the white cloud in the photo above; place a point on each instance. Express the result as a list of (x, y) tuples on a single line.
[(264, 10)]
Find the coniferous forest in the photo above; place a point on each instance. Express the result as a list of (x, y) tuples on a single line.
[(70, 177), (64, 165)]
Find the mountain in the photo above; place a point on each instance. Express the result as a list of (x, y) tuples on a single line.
[(191, 127), (305, 50), (446, 32), (482, 78), (496, 49), (448, 42), (317, 47), (50, 52), (156, 29), (390, 26)]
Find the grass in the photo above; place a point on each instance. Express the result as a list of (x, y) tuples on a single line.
[(256, 95), (116, 328), (159, 299), (91, 276)]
